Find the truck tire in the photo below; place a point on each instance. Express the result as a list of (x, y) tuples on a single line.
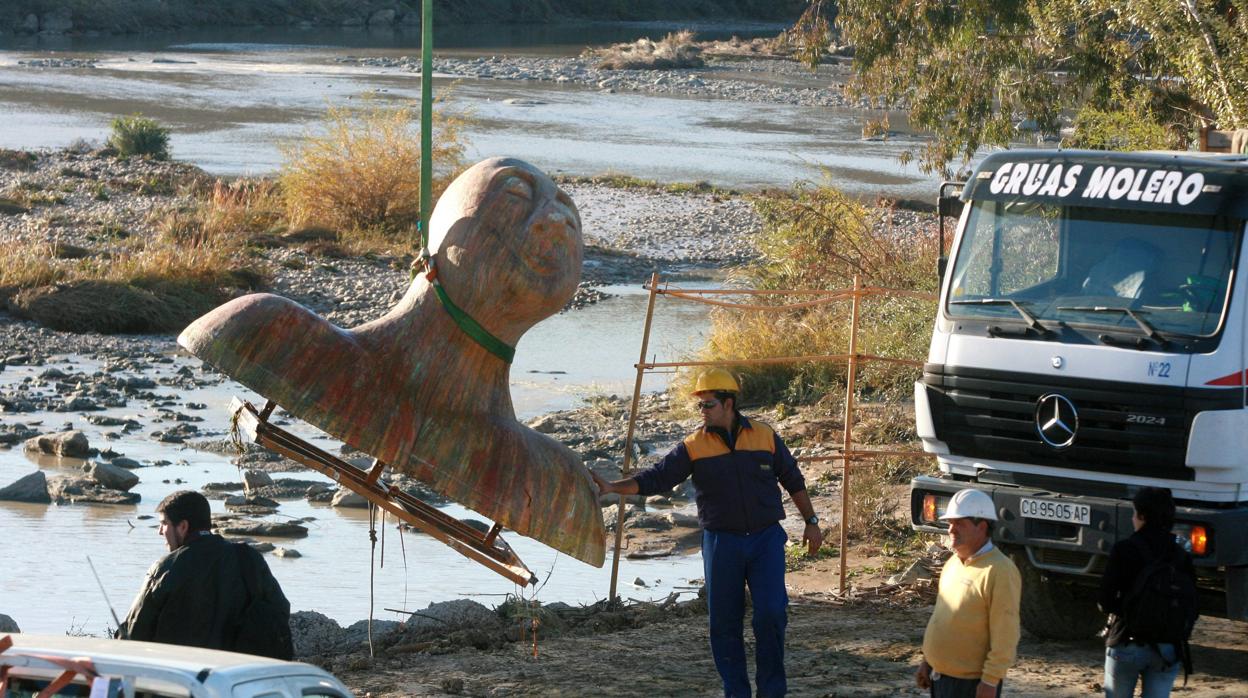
[(1054, 609)]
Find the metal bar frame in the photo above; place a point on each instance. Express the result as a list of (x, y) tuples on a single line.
[(488, 549), (852, 359)]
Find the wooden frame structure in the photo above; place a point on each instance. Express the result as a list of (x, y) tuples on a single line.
[(852, 359), (488, 549)]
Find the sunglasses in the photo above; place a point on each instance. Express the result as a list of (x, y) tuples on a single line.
[(706, 404)]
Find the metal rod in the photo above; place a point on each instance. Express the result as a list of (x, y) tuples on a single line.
[(103, 593), (850, 381), (458, 535), (426, 117), (628, 440), (781, 360)]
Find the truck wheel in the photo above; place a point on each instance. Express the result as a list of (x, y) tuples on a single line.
[(1055, 609)]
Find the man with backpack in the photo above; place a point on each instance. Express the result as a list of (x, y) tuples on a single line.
[(208, 592), (1149, 590)]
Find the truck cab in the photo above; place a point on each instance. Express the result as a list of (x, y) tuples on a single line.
[(1090, 341)]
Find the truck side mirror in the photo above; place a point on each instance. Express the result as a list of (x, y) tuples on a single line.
[(947, 205)]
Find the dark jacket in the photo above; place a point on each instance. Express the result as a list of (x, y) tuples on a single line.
[(1126, 562), (196, 594), (735, 476)]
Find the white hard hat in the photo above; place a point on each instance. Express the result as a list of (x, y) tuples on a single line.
[(970, 504)]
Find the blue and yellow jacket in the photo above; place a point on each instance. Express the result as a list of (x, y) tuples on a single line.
[(735, 477)]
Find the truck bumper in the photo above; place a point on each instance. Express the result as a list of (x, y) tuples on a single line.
[(1081, 549)]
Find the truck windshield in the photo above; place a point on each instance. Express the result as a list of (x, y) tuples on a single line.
[(1087, 267)]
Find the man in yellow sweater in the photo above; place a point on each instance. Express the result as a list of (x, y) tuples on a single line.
[(972, 636)]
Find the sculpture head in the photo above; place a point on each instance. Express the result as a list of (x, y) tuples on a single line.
[(508, 246)]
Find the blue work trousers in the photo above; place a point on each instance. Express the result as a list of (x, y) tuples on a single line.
[(731, 561)]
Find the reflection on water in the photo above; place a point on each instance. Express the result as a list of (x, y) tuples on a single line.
[(46, 586)]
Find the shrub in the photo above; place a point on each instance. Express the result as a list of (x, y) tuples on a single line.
[(676, 50), (816, 237), (138, 135), (363, 172)]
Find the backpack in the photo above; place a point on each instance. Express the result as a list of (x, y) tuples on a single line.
[(264, 624), (1160, 606)]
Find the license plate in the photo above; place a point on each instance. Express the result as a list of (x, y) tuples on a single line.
[(1051, 510)]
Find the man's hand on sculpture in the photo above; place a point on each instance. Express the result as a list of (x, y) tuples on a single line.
[(604, 487)]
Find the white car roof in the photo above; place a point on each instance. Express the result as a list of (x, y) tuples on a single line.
[(200, 671)]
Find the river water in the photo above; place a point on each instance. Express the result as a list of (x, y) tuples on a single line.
[(231, 100), (47, 586)]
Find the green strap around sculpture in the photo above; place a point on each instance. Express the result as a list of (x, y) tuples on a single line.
[(471, 327)]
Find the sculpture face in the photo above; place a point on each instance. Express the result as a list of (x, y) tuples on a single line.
[(506, 217)]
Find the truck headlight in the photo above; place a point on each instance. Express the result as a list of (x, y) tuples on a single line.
[(1193, 537)]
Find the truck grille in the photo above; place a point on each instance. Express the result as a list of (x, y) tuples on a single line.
[(992, 414)]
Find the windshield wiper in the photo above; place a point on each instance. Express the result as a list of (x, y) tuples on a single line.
[(1030, 319), (1149, 330)]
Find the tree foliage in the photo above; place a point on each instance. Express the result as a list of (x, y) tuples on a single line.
[(970, 71)]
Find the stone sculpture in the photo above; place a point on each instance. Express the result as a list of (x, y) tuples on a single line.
[(415, 390)]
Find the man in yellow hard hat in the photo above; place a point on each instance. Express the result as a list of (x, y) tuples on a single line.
[(738, 466)]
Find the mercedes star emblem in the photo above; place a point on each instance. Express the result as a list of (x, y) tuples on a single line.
[(1057, 420)]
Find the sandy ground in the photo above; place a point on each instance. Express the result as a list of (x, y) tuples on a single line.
[(857, 649), (865, 646)]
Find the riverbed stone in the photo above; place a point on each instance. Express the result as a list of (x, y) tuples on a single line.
[(256, 478), (268, 529), (111, 476), (32, 488), (69, 489), (348, 499), (8, 625), (12, 433), (445, 616), (67, 444), (287, 552)]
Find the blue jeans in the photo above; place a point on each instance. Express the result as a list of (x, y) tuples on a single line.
[(731, 561), (1128, 662)]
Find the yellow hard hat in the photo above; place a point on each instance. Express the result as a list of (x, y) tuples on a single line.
[(716, 380)]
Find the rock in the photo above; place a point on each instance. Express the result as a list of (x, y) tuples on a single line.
[(112, 476), (256, 478), (267, 529), (442, 617), (639, 582), (916, 571), (547, 424), (81, 490), (285, 488), (346, 498), (67, 444), (649, 521), (12, 433), (287, 552), (315, 633), (128, 463), (32, 488), (8, 625)]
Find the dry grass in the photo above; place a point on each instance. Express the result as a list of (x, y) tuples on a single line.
[(676, 50), (818, 238), (361, 175)]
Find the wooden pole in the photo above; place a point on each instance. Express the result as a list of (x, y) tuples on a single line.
[(847, 452), (628, 440)]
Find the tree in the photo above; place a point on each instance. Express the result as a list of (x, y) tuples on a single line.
[(970, 71)]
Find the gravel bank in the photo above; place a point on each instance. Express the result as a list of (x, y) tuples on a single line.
[(773, 81)]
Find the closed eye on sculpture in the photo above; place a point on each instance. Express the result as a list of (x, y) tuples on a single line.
[(517, 186)]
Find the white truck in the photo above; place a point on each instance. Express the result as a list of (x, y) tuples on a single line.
[(1092, 339)]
